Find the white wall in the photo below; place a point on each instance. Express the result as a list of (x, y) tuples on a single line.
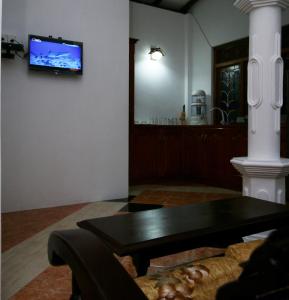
[(65, 139), (221, 21), (159, 86), (215, 23)]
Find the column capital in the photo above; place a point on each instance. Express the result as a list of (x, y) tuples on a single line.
[(247, 6)]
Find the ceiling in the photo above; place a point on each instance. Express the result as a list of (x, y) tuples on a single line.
[(181, 6)]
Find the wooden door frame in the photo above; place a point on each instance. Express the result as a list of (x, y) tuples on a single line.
[(132, 43)]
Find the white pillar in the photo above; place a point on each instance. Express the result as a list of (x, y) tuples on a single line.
[(263, 170)]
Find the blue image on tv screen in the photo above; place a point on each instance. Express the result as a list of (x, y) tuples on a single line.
[(50, 54)]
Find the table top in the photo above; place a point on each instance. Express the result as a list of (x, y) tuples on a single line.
[(188, 226)]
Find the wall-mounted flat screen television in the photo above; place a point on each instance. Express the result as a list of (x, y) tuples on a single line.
[(56, 55)]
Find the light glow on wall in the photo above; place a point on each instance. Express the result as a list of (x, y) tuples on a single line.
[(154, 81), (153, 72)]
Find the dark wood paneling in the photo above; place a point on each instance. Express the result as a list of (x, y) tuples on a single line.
[(185, 152), (200, 153), (145, 161), (132, 43), (171, 153), (194, 160)]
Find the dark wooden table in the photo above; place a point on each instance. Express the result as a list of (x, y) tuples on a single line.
[(154, 233)]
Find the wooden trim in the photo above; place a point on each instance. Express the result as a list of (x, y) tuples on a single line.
[(132, 43), (132, 40), (157, 2), (157, 5), (231, 62), (185, 9), (235, 53)]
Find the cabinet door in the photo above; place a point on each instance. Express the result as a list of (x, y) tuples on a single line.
[(146, 154), (194, 162), (171, 153), (216, 151), (227, 143)]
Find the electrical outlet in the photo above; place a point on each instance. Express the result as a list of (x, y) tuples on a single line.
[(11, 38), (4, 38)]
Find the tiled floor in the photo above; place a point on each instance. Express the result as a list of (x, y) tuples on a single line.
[(26, 260), (52, 284), (25, 269), (32, 221)]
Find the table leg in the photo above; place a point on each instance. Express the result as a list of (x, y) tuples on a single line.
[(141, 264), (75, 289)]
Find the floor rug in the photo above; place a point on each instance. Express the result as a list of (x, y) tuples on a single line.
[(174, 198)]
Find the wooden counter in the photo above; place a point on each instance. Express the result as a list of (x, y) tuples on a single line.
[(201, 153)]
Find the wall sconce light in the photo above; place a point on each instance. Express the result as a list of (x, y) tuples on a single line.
[(156, 53)]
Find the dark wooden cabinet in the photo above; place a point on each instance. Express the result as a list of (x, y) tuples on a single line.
[(208, 151), (170, 154), (145, 153), (199, 153), (194, 158), (155, 153)]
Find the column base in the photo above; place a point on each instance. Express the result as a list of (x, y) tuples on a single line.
[(263, 179)]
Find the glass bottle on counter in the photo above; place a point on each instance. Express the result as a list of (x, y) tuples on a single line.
[(183, 116)]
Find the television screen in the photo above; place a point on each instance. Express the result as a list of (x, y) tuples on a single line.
[(60, 56)]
